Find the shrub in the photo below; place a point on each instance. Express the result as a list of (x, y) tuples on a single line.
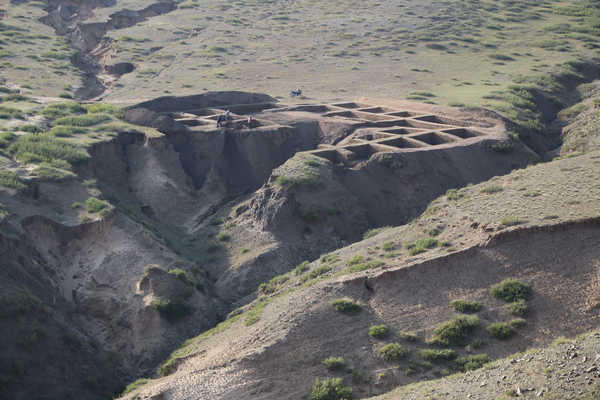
[(516, 323), (500, 330), (10, 112), (330, 389), (392, 351), (511, 290), (333, 363), (453, 194), (44, 148), (503, 147), (315, 273), (378, 331), (491, 189), (180, 274), (11, 180), (477, 343), (174, 309), (301, 268), (222, 236), (435, 356), (329, 258), (510, 220), (308, 178), (167, 368), (518, 308), (89, 183), (452, 333), (463, 306), (408, 336), (473, 362), (345, 305), (356, 259), (388, 246), (309, 214), (15, 97), (363, 266), (94, 205)]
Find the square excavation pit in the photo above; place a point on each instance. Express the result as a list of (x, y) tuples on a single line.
[(361, 151), (434, 138), (332, 155), (441, 120), (405, 114), (403, 143), (402, 131), (377, 110), (463, 133), (352, 105), (318, 109)]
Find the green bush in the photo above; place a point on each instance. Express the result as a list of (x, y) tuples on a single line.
[(503, 147), (463, 306), (356, 259), (392, 351), (473, 362), (309, 214), (517, 308), (408, 336), (222, 236), (345, 305), (167, 368), (516, 323), (10, 112), (323, 269), (45, 148), (453, 194), (510, 220), (174, 309), (301, 268), (333, 363), (511, 290), (500, 330), (388, 246), (330, 389), (363, 266), (491, 189), (11, 180), (452, 333), (378, 331), (181, 275), (435, 356), (15, 97), (94, 205)]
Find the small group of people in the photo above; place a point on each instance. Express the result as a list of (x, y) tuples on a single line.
[(227, 115)]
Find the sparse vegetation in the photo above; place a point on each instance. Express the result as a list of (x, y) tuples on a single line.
[(330, 389), (466, 307), (473, 361), (333, 363), (94, 205), (518, 308), (500, 330), (435, 356), (29, 148), (491, 189), (378, 331), (453, 332), (346, 305), (393, 351), (510, 290)]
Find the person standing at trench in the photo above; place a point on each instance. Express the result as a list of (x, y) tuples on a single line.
[(219, 123)]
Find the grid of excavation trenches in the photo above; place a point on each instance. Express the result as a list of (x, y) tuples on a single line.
[(379, 128)]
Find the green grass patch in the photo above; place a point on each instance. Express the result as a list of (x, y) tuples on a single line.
[(323, 269), (301, 268), (11, 180), (491, 189), (373, 232), (435, 356), (131, 387), (253, 315), (46, 172), (32, 147), (82, 120), (473, 361)]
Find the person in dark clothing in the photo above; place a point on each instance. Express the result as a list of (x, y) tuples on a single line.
[(219, 123)]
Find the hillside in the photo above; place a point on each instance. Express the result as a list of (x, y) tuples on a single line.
[(437, 150)]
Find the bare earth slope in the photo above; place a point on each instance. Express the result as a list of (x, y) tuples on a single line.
[(280, 355)]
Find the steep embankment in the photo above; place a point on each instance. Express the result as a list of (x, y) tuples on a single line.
[(261, 352)]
